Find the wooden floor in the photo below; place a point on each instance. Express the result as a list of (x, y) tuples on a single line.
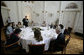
[(75, 46)]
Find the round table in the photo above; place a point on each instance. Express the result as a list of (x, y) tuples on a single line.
[(27, 37)]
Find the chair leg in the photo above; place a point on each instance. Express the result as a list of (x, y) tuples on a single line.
[(4, 50), (64, 50), (61, 52)]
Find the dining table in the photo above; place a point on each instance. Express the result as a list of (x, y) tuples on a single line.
[(27, 37)]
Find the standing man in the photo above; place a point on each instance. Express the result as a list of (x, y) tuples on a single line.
[(25, 21)]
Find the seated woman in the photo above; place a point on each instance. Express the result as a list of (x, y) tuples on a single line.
[(32, 23), (51, 26), (9, 30), (37, 35), (55, 25), (44, 24), (13, 25), (19, 25), (14, 37)]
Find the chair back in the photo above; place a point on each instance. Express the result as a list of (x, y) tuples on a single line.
[(13, 44), (69, 29), (37, 49), (6, 36), (66, 32), (67, 41)]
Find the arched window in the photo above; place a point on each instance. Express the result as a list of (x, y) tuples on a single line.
[(71, 6)]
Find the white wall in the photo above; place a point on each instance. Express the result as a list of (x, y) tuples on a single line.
[(78, 27), (19, 9), (13, 10), (37, 8), (4, 14), (65, 3), (78, 22), (52, 7), (24, 10)]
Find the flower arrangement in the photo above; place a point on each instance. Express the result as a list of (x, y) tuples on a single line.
[(37, 34), (36, 28)]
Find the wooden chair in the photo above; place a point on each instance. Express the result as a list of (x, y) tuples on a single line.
[(2, 47), (6, 36), (60, 47), (36, 49), (63, 47), (66, 32), (16, 43), (69, 30), (10, 47), (5, 46)]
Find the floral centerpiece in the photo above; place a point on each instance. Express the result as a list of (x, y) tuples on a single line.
[(36, 28), (37, 34)]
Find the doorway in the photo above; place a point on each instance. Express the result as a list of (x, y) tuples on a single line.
[(69, 18)]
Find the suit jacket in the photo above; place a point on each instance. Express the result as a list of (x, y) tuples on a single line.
[(54, 44), (60, 39), (25, 21), (13, 38)]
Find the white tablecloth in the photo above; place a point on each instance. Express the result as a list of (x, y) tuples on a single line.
[(27, 37)]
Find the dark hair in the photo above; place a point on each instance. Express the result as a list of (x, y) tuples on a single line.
[(8, 24), (25, 16), (19, 22), (17, 31), (66, 32), (44, 21), (8, 17), (61, 26), (13, 23), (37, 35)]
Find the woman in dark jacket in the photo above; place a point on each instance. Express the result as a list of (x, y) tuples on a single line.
[(14, 37)]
